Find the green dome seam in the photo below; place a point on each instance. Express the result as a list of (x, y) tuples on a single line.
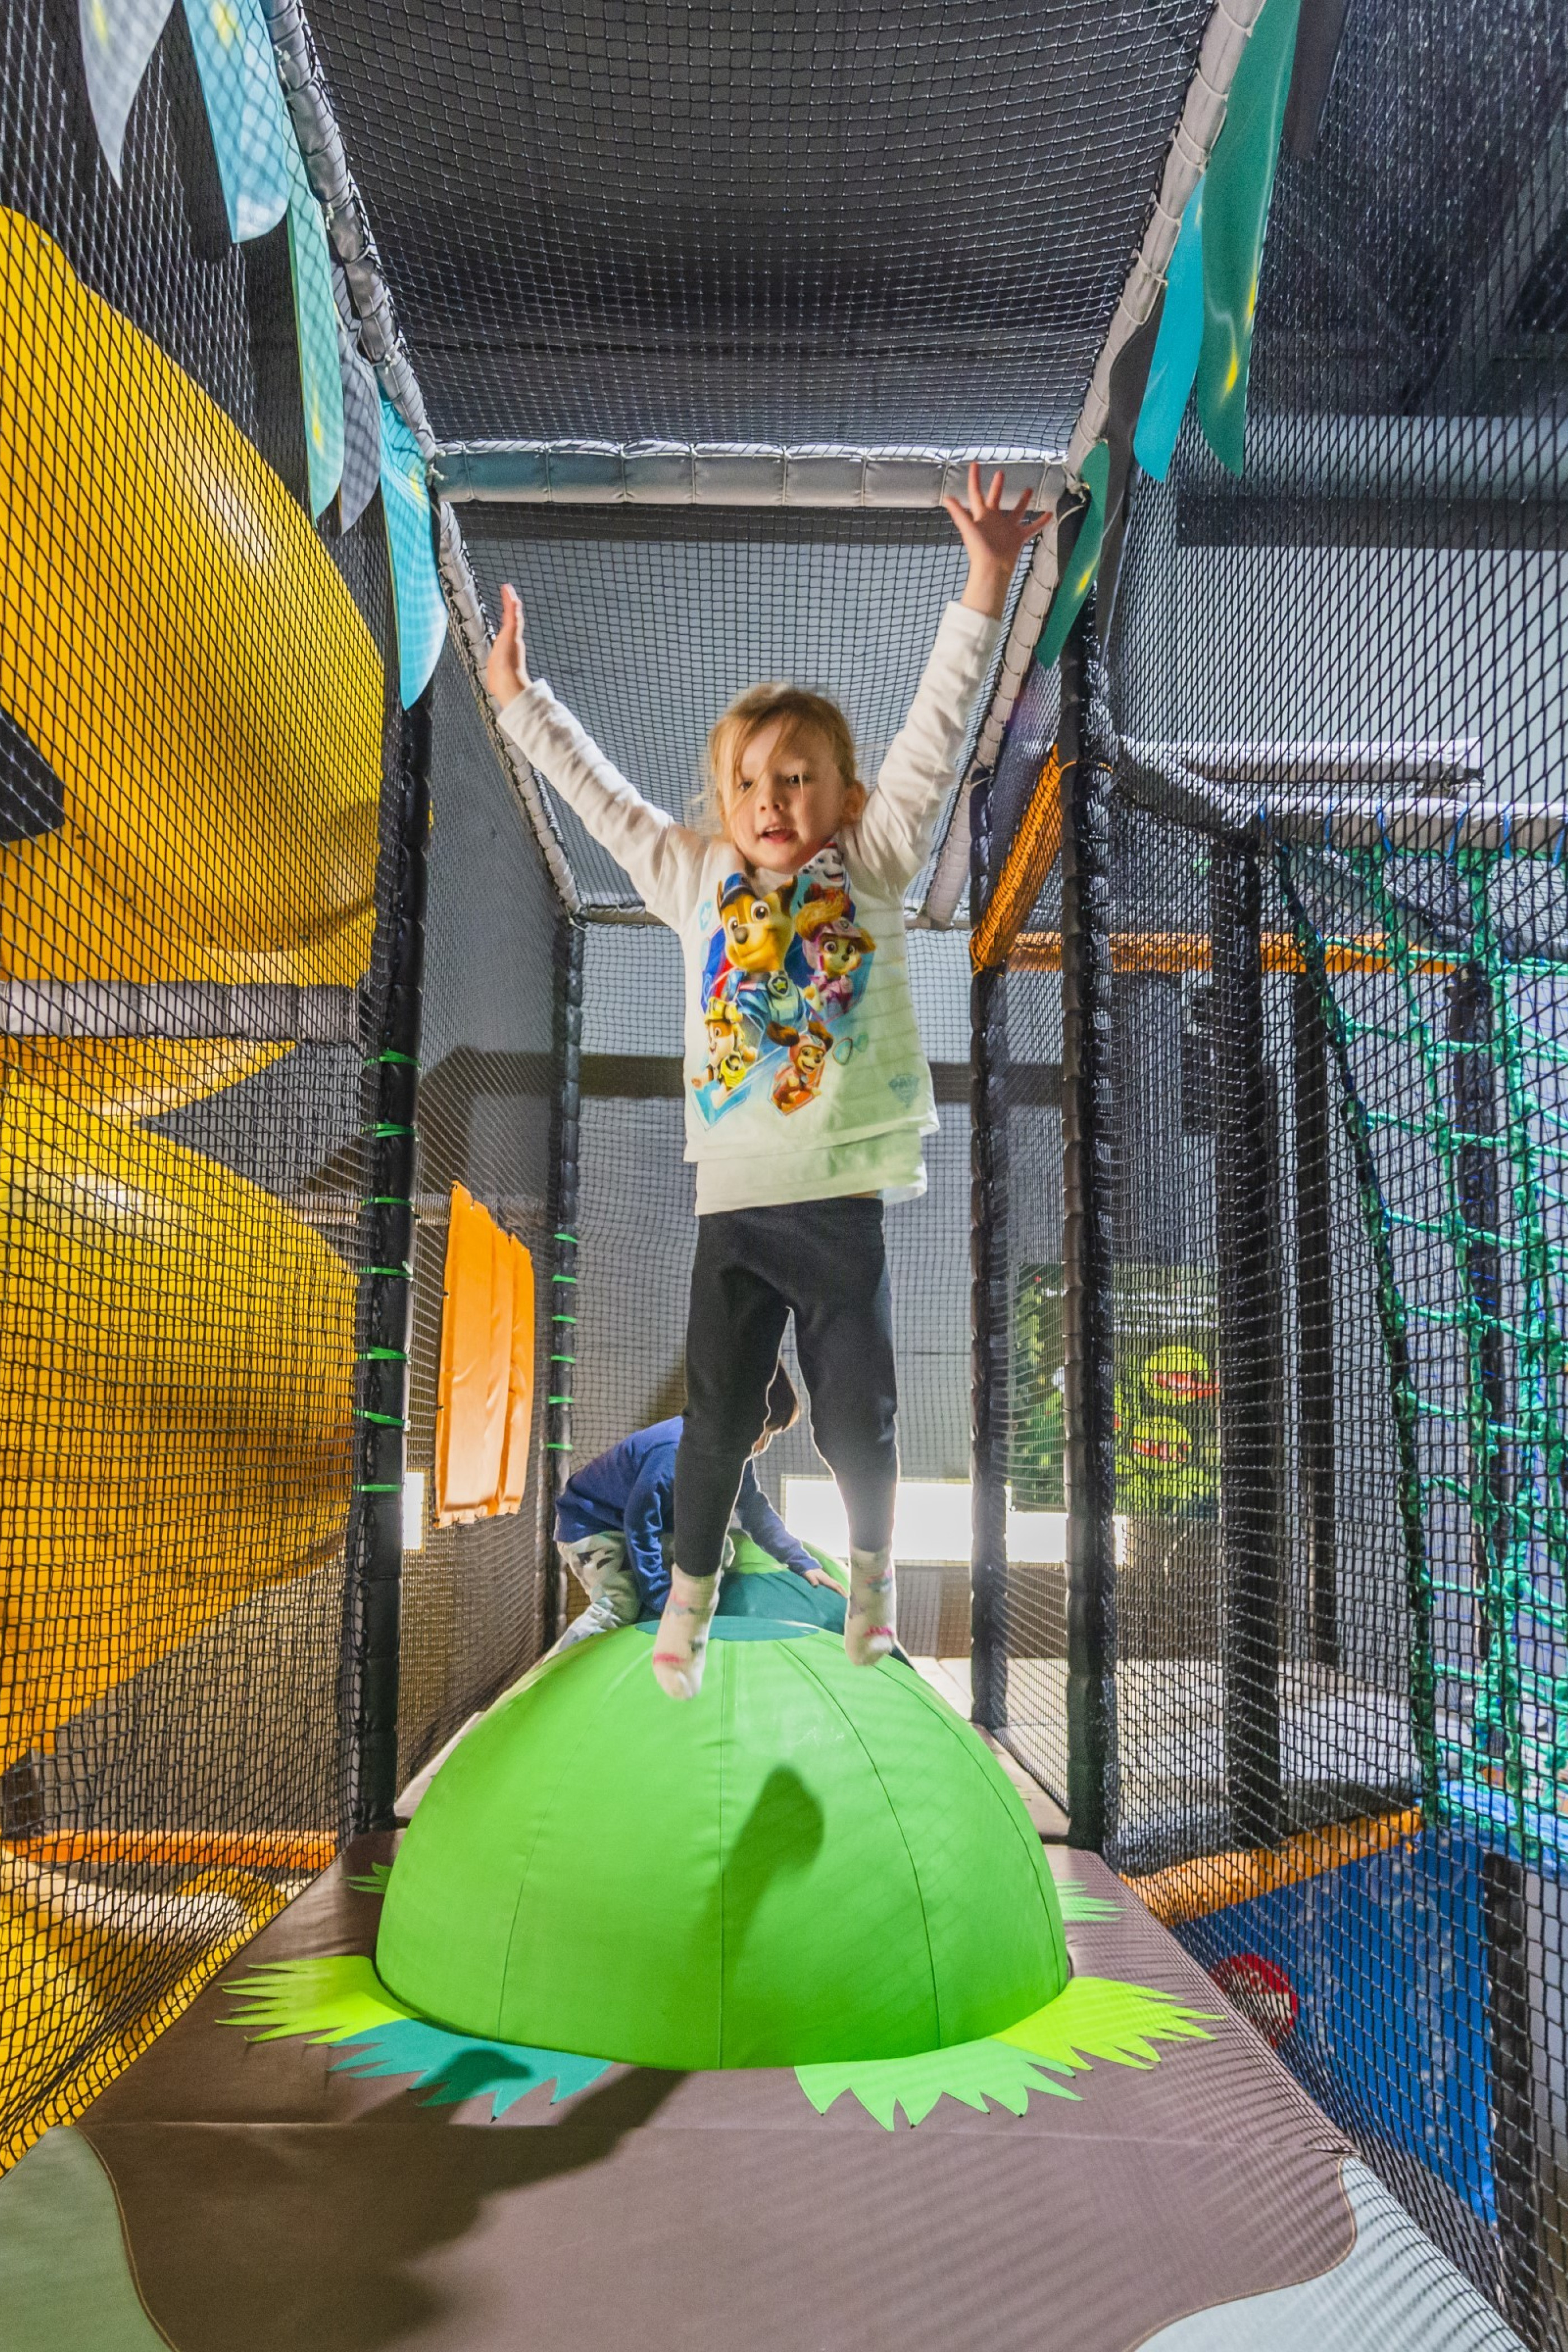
[(1024, 1830), (799, 1658), (610, 1688)]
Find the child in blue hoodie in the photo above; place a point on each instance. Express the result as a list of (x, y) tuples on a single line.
[(614, 1518)]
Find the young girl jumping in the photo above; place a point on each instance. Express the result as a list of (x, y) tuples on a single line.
[(807, 1093)]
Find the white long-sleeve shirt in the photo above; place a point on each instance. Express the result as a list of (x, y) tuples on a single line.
[(804, 1074)]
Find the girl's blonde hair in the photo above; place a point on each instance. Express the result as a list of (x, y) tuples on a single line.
[(745, 718)]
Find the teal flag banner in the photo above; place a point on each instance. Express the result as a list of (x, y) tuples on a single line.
[(251, 135), (1176, 347), (1237, 191), (416, 597), (316, 331), (1083, 562)]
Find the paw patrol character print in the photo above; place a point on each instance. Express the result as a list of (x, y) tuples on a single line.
[(732, 1045), (757, 926), (823, 905), (797, 1083), (785, 970), (836, 954)]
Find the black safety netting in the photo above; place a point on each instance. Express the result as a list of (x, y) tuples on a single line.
[(646, 624), (1337, 932), (783, 224), (199, 751), (1337, 1756), (474, 1595)]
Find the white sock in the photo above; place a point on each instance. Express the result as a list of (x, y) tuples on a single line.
[(869, 1620), (680, 1644)]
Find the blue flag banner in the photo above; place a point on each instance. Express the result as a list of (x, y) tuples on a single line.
[(416, 597), (251, 135)]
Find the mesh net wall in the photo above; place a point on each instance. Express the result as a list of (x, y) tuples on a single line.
[(646, 624), (782, 224), (194, 748), (473, 1596), (1339, 1694)]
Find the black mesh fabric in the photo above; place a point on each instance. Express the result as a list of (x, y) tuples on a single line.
[(1335, 1188), (862, 224), (647, 625), (192, 816), (473, 1595), (176, 1450)]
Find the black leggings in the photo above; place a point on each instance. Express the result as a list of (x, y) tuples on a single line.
[(824, 1263)]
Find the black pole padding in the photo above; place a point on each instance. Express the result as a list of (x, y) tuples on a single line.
[(1315, 1452), (1088, 1376), (989, 1368), (372, 1592), (989, 1324), (1516, 2149), (1516, 2153), (1473, 1078), (571, 939), (1250, 1349)]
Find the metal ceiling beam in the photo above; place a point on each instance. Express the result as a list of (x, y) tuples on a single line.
[(725, 474)]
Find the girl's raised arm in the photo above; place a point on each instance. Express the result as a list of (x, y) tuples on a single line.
[(657, 852), (894, 836)]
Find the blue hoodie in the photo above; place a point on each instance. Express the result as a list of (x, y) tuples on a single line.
[(630, 1490)]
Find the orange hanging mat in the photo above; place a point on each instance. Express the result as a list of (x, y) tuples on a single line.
[(485, 1399)]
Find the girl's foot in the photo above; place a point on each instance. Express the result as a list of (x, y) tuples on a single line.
[(680, 1644), (869, 1620)]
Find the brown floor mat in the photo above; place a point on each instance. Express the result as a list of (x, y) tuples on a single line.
[(271, 2203)]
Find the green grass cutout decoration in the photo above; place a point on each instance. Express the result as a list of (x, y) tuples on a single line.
[(344, 2002), (1096, 2017), (330, 1998), (1100, 2016), (1077, 1906), (971, 2072), (373, 1881)]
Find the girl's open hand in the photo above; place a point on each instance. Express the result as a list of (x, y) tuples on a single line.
[(506, 672), (995, 536), (820, 1576)]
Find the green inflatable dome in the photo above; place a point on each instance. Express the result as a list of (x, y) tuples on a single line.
[(810, 1861)]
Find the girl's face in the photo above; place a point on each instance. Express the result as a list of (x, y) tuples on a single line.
[(789, 798)]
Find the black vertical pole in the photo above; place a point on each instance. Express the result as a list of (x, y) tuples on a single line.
[(1089, 1381), (990, 1371), (372, 1592), (1515, 2160), (1249, 1350), (989, 1324), (566, 1125), (1474, 1081), (1315, 1315)]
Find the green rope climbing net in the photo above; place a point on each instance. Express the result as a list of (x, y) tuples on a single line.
[(1461, 1181)]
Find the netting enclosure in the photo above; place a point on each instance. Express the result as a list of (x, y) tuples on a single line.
[(1231, 1314)]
